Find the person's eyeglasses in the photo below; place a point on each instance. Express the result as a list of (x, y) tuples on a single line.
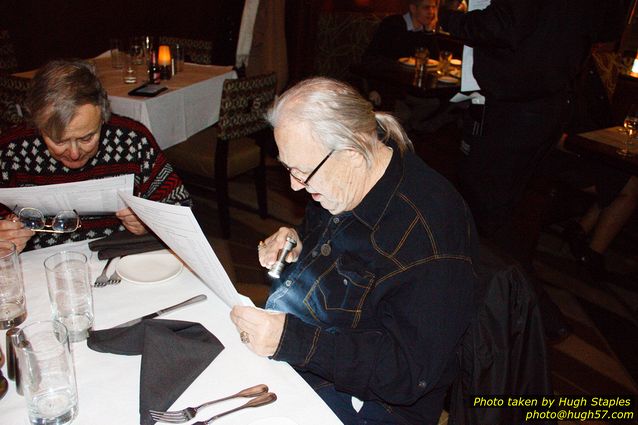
[(304, 182), (64, 222)]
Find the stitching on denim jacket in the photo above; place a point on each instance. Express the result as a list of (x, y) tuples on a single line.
[(313, 348)]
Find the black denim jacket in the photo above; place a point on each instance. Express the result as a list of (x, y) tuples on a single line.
[(381, 295)]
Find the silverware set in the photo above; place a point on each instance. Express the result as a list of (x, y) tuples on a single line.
[(260, 395), (102, 280)]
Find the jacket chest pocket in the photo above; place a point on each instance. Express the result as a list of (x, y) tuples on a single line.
[(338, 295)]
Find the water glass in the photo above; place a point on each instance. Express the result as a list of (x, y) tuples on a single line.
[(129, 70), (631, 128), (117, 59), (13, 309), (47, 373), (136, 50), (70, 292), (444, 62)]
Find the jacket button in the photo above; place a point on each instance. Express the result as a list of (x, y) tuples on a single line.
[(288, 283), (335, 220), (422, 384), (345, 282)]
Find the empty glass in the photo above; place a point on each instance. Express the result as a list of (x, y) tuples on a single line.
[(445, 57), (117, 60), (70, 292), (47, 373), (13, 308), (631, 126), (129, 71), (136, 50)]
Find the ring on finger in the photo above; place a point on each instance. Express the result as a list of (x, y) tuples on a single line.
[(244, 337)]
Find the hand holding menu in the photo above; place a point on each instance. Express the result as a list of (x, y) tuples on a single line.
[(177, 227)]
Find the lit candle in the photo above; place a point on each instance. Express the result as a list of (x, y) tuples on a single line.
[(164, 55)]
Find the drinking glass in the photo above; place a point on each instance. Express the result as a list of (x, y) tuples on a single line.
[(129, 70), (13, 308), (136, 50), (116, 53), (631, 126), (47, 373), (421, 56), (70, 292), (445, 57)]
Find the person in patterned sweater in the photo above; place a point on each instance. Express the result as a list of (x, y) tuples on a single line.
[(71, 136)]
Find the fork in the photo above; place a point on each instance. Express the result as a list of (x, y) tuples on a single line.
[(185, 415), (102, 279), (257, 401), (115, 278)]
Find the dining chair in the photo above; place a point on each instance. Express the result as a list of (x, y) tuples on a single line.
[(232, 147), (13, 90), (195, 51)]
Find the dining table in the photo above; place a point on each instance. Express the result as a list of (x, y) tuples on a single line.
[(399, 76), (109, 384), (190, 103), (602, 145)]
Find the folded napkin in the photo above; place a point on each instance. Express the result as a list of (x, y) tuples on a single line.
[(125, 243), (174, 353)]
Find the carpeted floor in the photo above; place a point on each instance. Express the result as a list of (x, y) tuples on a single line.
[(600, 357)]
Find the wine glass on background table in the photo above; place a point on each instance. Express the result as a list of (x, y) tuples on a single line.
[(631, 126)]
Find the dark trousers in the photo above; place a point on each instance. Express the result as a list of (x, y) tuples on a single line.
[(508, 140)]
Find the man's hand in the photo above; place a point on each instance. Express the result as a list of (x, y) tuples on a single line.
[(11, 229), (132, 223), (263, 328), (270, 247)]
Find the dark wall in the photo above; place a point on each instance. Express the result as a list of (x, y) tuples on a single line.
[(44, 30)]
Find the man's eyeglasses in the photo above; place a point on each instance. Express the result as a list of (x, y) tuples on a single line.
[(64, 222), (305, 181)]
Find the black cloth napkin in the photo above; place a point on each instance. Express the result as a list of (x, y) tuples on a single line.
[(174, 353), (125, 243)]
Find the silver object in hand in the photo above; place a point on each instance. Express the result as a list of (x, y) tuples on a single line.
[(277, 268)]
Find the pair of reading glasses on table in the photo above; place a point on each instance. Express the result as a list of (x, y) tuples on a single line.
[(66, 221)]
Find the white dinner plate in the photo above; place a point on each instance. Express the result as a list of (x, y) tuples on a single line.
[(456, 62), (448, 79), (150, 267), (274, 421), (411, 61)]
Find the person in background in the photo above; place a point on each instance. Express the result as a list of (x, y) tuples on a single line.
[(380, 289), (72, 136), (526, 56), (400, 36)]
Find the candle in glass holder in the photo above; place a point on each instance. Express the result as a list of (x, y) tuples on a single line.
[(164, 55), (164, 61)]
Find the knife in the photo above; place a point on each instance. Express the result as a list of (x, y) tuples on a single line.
[(163, 311)]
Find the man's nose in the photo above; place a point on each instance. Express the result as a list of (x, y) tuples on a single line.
[(295, 185)]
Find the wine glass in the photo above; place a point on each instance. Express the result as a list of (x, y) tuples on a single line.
[(631, 126)]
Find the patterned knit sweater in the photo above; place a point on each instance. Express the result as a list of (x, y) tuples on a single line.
[(126, 147)]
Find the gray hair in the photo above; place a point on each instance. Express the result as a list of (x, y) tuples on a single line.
[(59, 88), (337, 116)]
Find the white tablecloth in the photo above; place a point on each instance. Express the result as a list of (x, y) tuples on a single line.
[(108, 384), (190, 104)]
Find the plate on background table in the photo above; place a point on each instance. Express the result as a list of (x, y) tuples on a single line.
[(456, 62), (411, 61), (150, 267), (448, 79)]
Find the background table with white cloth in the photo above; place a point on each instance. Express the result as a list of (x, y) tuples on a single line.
[(108, 384), (190, 104)]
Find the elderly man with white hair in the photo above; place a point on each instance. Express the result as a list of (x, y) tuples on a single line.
[(378, 291)]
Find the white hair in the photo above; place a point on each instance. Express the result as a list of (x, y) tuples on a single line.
[(337, 116)]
